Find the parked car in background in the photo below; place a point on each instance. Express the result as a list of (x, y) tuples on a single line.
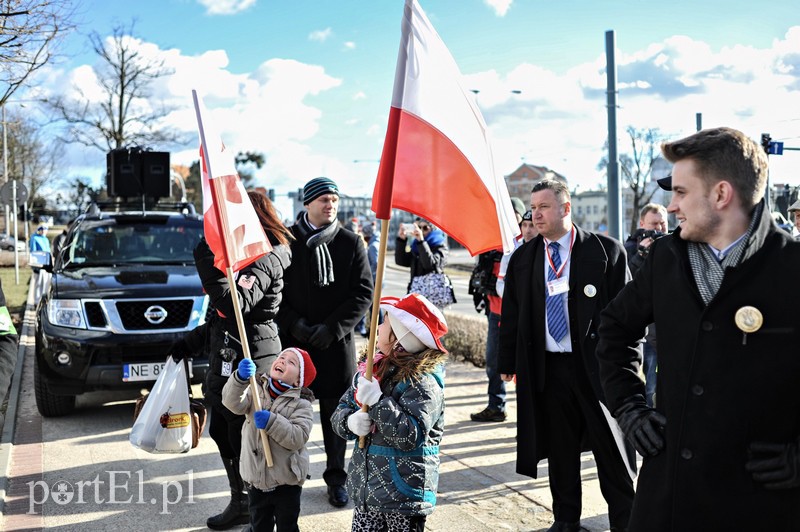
[(124, 287), (8, 242)]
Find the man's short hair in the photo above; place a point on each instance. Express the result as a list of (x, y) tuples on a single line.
[(724, 154), (559, 188), (653, 207)]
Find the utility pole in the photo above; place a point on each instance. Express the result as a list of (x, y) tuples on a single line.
[(614, 196), (698, 118)]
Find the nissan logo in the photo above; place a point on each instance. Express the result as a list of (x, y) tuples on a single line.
[(155, 314)]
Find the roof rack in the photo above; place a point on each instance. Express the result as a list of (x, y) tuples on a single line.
[(139, 204)]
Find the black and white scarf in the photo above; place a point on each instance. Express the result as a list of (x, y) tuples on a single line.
[(317, 241), (707, 270)]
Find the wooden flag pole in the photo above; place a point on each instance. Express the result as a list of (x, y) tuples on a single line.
[(225, 230), (246, 350), (376, 301)]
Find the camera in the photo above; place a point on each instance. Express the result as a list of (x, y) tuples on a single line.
[(641, 234)]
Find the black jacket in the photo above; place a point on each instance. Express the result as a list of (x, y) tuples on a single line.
[(718, 389), (427, 259), (339, 306), (597, 260), (259, 286)]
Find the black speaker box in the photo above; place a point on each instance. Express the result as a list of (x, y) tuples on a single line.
[(155, 174), (133, 172)]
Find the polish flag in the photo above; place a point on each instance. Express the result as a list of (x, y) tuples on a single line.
[(437, 161), (231, 225)]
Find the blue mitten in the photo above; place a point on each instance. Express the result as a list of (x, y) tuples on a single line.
[(261, 418), (247, 368)]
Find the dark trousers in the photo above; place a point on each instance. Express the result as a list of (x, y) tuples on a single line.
[(573, 415), (225, 429), (497, 386), (279, 507), (335, 447)]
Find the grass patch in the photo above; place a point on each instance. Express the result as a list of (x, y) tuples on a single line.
[(16, 294)]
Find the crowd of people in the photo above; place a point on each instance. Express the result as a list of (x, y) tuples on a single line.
[(571, 321)]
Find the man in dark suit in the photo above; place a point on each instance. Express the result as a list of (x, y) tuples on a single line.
[(556, 286), (327, 289), (722, 445)]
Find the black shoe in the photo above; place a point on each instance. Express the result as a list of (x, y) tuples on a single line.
[(337, 496), (488, 414), (564, 526)]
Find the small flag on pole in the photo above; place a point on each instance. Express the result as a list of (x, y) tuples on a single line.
[(231, 225)]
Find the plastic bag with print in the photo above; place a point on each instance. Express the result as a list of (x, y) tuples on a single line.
[(164, 423)]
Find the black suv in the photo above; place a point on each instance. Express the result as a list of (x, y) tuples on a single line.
[(123, 288)]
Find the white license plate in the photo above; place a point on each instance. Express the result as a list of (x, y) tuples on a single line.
[(148, 371)]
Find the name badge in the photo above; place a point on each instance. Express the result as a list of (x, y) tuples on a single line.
[(227, 369), (557, 286)]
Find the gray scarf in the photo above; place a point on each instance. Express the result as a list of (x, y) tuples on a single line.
[(707, 270), (317, 241)]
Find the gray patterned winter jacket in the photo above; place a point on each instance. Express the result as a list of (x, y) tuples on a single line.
[(288, 429), (397, 471)]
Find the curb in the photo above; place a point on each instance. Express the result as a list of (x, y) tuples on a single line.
[(10, 424)]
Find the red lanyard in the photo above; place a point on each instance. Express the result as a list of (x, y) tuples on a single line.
[(550, 259)]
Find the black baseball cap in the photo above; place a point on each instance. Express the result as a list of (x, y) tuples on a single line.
[(665, 182)]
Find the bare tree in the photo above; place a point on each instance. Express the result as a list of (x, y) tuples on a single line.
[(125, 116), (29, 32), (637, 166)]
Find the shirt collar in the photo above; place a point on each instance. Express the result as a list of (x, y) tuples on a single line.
[(721, 254)]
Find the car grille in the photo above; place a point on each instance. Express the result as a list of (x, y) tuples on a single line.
[(94, 314), (132, 314)]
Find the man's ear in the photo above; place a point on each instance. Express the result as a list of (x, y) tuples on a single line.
[(723, 194), (567, 207)]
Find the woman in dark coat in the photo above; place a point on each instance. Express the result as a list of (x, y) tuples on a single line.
[(259, 286), (428, 251)]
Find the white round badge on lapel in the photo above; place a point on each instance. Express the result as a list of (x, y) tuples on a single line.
[(590, 290)]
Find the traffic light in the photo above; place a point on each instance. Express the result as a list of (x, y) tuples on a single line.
[(271, 194), (765, 140)]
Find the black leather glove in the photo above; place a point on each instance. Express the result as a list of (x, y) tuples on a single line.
[(775, 465), (642, 425), (301, 330), (322, 337), (179, 350)]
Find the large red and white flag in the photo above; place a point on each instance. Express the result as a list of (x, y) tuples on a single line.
[(231, 225), (437, 160)]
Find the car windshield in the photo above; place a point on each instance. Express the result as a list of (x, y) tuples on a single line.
[(120, 240)]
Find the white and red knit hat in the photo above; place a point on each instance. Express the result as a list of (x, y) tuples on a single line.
[(416, 322), (307, 370)]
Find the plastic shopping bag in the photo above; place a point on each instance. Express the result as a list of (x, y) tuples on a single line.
[(164, 423)]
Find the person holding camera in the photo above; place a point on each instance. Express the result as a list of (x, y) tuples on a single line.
[(652, 226), (426, 255)]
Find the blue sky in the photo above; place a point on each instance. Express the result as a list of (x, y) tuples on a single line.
[(309, 82)]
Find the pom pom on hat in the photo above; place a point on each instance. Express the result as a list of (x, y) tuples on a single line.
[(416, 322), (307, 370)]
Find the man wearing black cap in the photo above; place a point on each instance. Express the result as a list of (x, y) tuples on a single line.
[(722, 446), (327, 289)]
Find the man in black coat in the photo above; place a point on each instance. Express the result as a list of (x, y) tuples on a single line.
[(556, 286), (722, 446), (327, 290)]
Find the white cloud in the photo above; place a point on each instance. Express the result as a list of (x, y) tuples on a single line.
[(500, 7), (320, 35), (225, 7), (349, 45), (360, 95)]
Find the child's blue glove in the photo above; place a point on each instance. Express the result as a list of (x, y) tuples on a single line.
[(247, 368), (261, 418)]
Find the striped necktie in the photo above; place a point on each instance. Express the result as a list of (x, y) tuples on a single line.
[(554, 305)]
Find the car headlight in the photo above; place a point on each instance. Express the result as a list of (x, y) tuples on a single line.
[(66, 313)]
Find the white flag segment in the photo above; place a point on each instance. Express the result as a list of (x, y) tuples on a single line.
[(443, 168), (231, 226)]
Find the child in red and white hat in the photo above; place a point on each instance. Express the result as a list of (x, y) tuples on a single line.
[(287, 418), (392, 480)]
